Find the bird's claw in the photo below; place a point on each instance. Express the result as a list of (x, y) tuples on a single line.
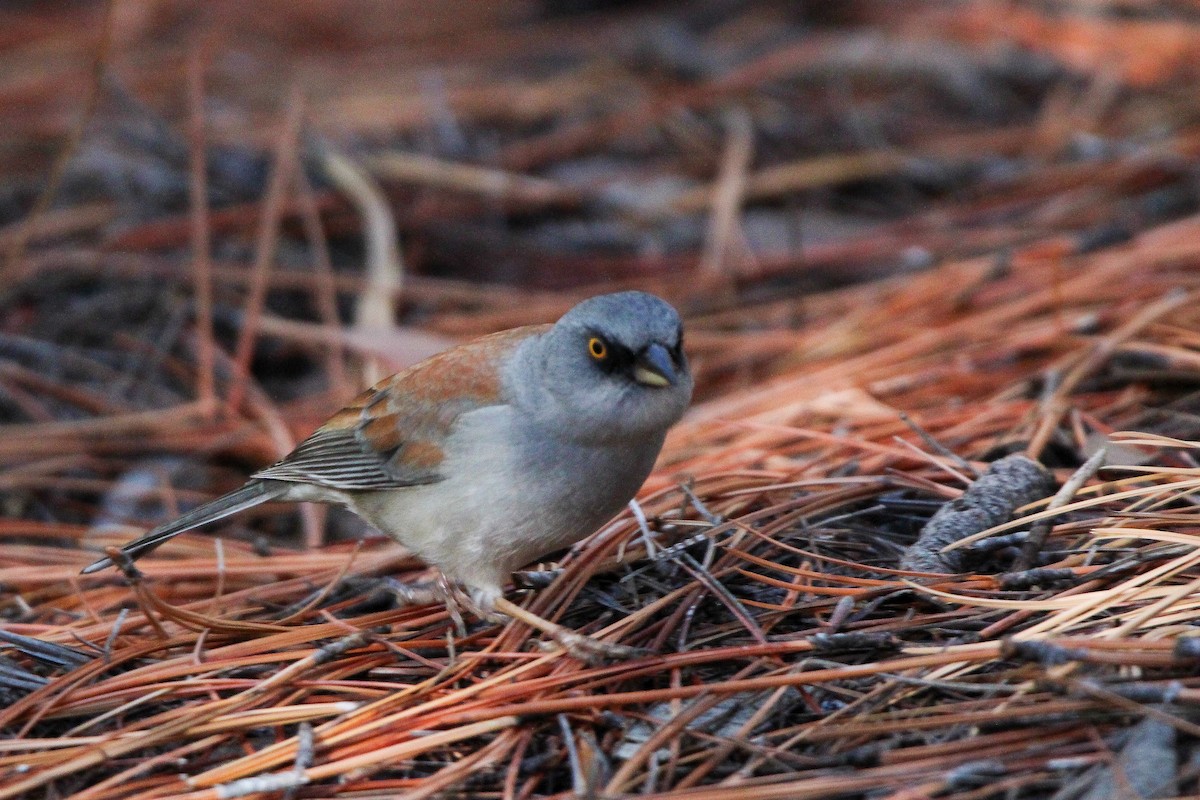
[(591, 651), (412, 594)]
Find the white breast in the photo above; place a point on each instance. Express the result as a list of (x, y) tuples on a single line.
[(502, 506)]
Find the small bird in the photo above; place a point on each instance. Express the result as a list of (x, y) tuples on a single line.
[(494, 453)]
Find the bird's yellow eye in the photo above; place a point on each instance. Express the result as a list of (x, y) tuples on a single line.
[(597, 348)]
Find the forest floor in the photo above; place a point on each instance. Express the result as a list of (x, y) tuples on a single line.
[(908, 240)]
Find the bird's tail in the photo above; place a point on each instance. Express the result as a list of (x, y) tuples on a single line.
[(250, 495)]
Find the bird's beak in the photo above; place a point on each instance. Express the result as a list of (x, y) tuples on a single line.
[(654, 367)]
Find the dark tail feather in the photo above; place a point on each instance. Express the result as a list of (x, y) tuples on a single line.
[(248, 496)]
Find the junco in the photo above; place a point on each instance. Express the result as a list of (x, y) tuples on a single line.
[(486, 457)]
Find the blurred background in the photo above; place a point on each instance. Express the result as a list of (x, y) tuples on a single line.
[(561, 144), (218, 220), (900, 234)]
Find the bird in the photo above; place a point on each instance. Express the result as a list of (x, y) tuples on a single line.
[(486, 457)]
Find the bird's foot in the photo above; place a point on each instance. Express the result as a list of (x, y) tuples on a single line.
[(439, 591), (535, 578), (496, 609), (593, 652), (457, 601), (585, 648), (412, 594)]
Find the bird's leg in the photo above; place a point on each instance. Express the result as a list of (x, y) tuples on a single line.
[(535, 578), (456, 600), (500, 610), (585, 648), (413, 594), (438, 591)]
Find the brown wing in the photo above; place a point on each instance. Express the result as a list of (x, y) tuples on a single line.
[(392, 434)]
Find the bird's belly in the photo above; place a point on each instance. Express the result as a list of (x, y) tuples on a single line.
[(499, 509)]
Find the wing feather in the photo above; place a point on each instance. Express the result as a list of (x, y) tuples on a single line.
[(338, 459), (393, 434)]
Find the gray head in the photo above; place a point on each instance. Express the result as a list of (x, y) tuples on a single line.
[(611, 368)]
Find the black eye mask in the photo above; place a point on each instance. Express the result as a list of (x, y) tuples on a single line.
[(616, 358)]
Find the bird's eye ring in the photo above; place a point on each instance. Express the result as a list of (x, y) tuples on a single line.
[(597, 348)]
